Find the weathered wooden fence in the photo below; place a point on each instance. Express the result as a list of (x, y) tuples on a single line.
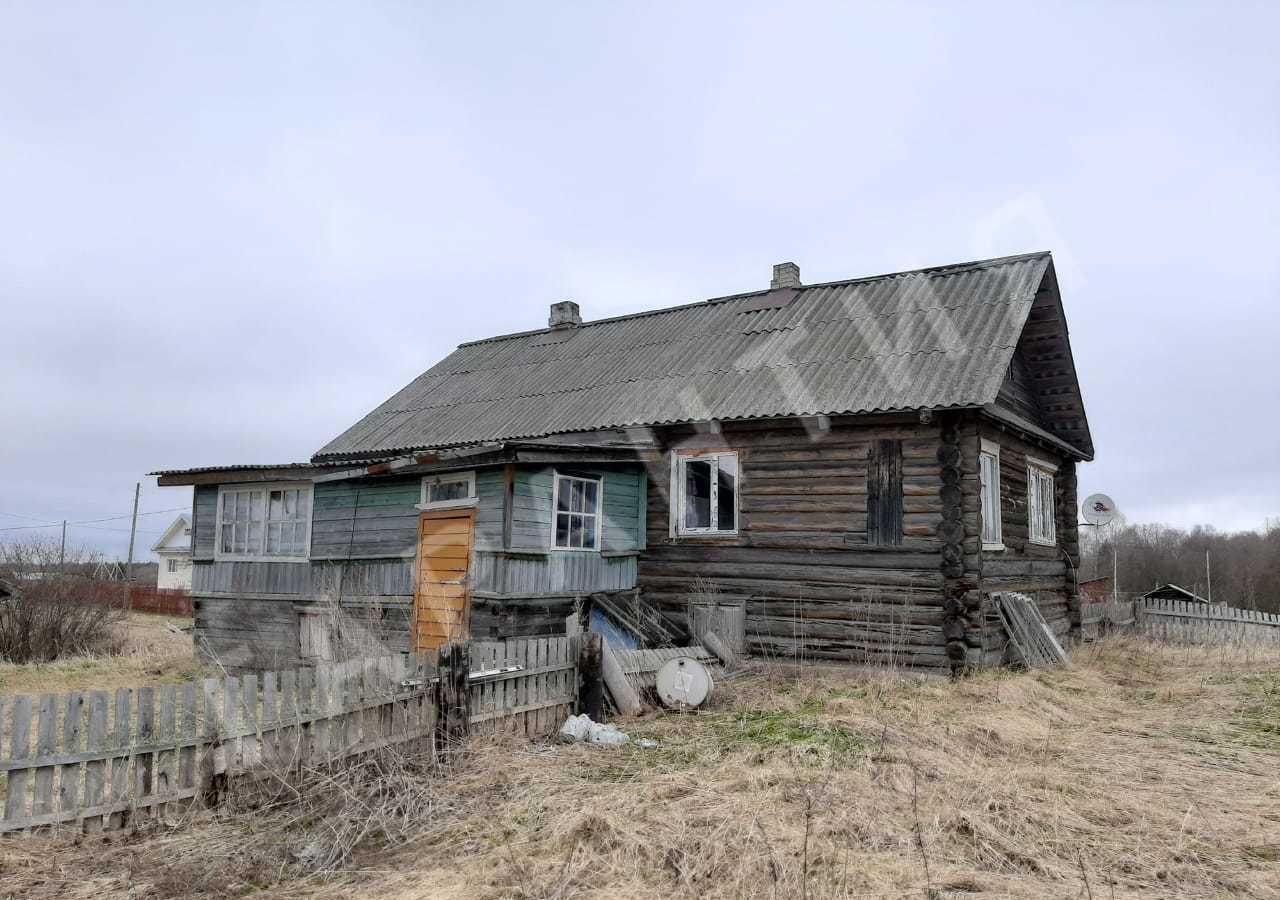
[(527, 686), (1181, 622), (1178, 621), (100, 760)]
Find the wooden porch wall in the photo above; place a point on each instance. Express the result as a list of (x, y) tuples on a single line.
[(813, 584)]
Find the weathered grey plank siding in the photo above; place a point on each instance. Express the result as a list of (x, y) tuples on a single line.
[(244, 634), (555, 572), (392, 577), (1017, 393), (368, 517), (204, 521), (531, 508), (363, 551), (533, 494), (491, 489)]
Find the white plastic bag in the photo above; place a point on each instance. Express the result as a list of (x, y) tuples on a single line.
[(576, 728)]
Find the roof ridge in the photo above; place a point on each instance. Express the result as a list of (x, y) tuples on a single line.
[(973, 265)]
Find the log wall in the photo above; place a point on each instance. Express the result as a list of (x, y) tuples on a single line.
[(1044, 572), (813, 583)]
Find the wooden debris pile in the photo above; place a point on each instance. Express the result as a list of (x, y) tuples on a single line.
[(1029, 633)]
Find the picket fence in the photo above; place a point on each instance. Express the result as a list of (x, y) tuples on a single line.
[(103, 760), (1182, 622)]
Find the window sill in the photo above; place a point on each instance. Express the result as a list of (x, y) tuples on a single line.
[(994, 547), (1035, 543), (708, 536)]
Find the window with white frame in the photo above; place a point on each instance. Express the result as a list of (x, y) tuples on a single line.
[(989, 479), (448, 489), (1040, 512), (173, 565), (577, 513), (707, 493), (270, 522)]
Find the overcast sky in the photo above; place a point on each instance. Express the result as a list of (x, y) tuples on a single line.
[(229, 230)]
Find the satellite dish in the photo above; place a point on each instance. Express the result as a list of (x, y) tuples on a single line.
[(683, 683), (1098, 509)]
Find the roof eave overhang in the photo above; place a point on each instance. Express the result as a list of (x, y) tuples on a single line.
[(431, 461), (1033, 432), (236, 474)]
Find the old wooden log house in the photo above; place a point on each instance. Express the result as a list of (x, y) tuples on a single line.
[(862, 463)]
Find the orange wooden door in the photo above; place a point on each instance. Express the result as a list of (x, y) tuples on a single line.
[(441, 601)]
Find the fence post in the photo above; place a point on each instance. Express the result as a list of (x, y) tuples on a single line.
[(453, 720), (591, 676)]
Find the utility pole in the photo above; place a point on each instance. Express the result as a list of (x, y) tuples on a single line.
[(62, 552), (1208, 576), (133, 530)]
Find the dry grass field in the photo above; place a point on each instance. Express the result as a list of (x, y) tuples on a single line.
[(150, 653), (1142, 771)]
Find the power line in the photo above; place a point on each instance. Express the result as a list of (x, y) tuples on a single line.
[(88, 523)]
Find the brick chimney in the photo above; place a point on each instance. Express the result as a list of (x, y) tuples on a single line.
[(785, 275), (564, 315)]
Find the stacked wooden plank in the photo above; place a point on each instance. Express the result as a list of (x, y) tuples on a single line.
[(642, 620), (1029, 633)]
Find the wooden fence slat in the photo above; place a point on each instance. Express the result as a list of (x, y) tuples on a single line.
[(187, 775), (120, 765), (144, 786), (70, 775), (542, 682), (15, 800), (368, 691), (270, 718), (289, 715), (46, 744), (167, 733), (231, 722), (350, 700), (95, 771), (250, 749), (325, 733)]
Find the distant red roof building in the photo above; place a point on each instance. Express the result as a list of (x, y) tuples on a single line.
[(1096, 590)]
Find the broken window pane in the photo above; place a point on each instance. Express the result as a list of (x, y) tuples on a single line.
[(726, 491), (697, 493)]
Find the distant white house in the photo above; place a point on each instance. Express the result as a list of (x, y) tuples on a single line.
[(174, 550)]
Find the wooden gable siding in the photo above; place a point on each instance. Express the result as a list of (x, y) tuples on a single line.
[(1018, 393), (802, 561), (1048, 573)]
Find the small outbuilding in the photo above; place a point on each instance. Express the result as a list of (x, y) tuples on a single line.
[(1173, 592)]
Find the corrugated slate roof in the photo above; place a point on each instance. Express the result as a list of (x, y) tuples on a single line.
[(926, 339)]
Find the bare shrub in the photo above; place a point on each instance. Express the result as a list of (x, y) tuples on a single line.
[(384, 798), (54, 618)]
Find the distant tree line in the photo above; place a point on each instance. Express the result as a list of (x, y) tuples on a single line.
[(1244, 567)]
